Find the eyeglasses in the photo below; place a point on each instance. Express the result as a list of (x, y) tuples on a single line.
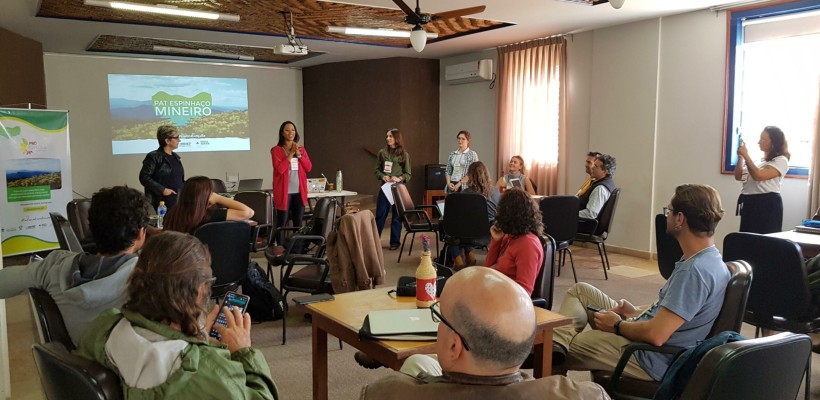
[(667, 211), (174, 137), (437, 317)]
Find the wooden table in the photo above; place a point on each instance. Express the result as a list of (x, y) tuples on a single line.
[(344, 316), (809, 242)]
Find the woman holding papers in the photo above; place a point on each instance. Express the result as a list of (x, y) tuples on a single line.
[(515, 248), (516, 170), (458, 162), (392, 166), (760, 206), (290, 167)]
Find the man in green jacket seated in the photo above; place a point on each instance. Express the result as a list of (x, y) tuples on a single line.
[(157, 345)]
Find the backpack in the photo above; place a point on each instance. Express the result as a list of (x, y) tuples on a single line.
[(267, 303)]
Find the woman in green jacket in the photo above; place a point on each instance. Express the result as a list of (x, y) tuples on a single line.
[(157, 344), (392, 166)]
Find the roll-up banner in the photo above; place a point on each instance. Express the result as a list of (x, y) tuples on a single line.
[(36, 177)]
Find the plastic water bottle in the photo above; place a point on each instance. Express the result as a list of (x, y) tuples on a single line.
[(339, 180), (161, 210)]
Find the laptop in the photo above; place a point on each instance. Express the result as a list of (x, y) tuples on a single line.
[(440, 205), (249, 184), (398, 322)]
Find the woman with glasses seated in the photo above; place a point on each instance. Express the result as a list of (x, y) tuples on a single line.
[(159, 343), (515, 248), (199, 205), (162, 173)]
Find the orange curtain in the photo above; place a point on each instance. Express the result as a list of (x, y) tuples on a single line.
[(532, 108), (814, 172)]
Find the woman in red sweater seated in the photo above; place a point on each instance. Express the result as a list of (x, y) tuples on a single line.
[(515, 249)]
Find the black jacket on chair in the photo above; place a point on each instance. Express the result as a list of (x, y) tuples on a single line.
[(155, 175)]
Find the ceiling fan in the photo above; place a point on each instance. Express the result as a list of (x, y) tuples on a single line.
[(418, 36)]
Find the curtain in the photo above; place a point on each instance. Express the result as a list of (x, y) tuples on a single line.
[(532, 109), (814, 172)]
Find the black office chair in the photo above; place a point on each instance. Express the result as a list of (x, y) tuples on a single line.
[(303, 241), (262, 206), (230, 253), (466, 222), (77, 214), (669, 251), (544, 287), (66, 376), (413, 217), (766, 368), (65, 235), (603, 224), (560, 217), (49, 320), (729, 318)]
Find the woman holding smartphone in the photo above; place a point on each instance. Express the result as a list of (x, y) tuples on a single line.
[(458, 162), (760, 206), (163, 328), (392, 166), (290, 167), (515, 248), (199, 205)]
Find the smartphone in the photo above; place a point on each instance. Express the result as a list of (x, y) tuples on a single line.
[(232, 299), (316, 298), (594, 309)]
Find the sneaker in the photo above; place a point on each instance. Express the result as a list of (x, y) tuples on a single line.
[(458, 263), (394, 246), (470, 259), (366, 361)]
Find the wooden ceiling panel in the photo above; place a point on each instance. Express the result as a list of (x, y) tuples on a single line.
[(310, 18)]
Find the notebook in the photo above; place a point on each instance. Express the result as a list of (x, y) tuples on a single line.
[(440, 205), (412, 324), (516, 183)]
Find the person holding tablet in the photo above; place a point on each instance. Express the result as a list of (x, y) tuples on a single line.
[(760, 206), (516, 171)]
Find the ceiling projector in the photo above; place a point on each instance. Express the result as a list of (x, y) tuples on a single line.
[(290, 50)]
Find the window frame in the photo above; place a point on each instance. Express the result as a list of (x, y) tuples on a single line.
[(735, 20)]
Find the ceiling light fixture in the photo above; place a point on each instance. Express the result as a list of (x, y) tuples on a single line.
[(162, 9), (201, 53), (616, 4), (356, 31), (418, 38)]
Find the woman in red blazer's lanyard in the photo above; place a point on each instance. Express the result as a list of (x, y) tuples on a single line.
[(290, 167)]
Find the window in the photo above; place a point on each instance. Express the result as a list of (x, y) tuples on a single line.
[(773, 79)]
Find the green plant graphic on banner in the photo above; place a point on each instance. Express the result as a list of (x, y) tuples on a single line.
[(181, 109), (9, 132)]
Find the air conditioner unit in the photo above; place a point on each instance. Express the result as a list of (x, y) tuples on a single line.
[(475, 71)]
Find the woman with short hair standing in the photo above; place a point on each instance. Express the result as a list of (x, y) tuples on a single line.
[(290, 167), (458, 162), (392, 165), (760, 206)]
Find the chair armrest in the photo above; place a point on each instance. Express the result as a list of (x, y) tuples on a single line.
[(420, 213), (307, 260), (436, 212), (612, 387), (539, 302), (280, 232), (592, 221), (299, 238)]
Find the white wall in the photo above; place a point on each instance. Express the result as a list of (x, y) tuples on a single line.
[(80, 84), (471, 107), (651, 93)]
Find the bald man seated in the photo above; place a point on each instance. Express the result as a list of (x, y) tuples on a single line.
[(487, 329)]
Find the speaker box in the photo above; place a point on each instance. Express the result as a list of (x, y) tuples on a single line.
[(435, 177)]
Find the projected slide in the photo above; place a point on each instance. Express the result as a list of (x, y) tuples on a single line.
[(211, 113)]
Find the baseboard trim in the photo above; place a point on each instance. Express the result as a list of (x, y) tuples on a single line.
[(648, 255)]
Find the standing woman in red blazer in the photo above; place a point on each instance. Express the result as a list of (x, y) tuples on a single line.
[(290, 167)]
